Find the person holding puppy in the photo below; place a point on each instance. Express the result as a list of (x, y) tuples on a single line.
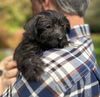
[(71, 71)]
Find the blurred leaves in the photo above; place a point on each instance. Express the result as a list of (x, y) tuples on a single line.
[(93, 15), (13, 15), (96, 40)]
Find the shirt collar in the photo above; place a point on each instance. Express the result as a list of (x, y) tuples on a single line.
[(79, 31)]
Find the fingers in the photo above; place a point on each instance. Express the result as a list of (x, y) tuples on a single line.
[(11, 73), (10, 65), (9, 58), (10, 81), (5, 61), (9, 68), (6, 82), (8, 71)]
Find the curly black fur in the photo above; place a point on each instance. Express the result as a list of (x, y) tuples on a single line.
[(46, 30)]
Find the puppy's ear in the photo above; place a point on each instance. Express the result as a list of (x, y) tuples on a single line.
[(30, 27)]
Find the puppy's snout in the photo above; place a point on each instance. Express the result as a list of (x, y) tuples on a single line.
[(60, 37)]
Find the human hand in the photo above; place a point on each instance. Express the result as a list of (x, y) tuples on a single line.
[(9, 68)]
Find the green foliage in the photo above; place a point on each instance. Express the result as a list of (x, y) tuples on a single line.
[(96, 40), (15, 14), (93, 15)]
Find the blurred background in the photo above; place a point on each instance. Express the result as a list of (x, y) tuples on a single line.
[(14, 14)]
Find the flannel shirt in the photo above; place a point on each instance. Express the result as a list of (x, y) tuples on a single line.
[(69, 72)]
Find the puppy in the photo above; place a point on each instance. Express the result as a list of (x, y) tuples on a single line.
[(46, 30)]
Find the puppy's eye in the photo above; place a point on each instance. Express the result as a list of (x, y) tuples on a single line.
[(64, 26), (48, 26)]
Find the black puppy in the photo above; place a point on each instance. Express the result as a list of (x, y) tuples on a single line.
[(46, 30)]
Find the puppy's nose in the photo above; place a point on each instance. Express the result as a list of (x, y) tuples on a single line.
[(60, 37)]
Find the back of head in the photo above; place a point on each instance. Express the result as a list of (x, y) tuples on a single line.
[(74, 7)]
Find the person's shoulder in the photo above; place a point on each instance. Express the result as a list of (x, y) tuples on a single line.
[(57, 51)]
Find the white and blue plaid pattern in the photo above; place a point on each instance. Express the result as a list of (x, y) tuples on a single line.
[(69, 72)]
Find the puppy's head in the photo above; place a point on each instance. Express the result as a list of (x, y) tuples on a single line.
[(49, 28)]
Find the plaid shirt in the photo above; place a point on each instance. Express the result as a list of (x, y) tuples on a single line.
[(69, 72)]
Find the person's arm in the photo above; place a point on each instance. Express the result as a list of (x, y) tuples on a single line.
[(8, 66)]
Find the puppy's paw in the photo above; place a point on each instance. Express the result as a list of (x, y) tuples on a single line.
[(34, 69)]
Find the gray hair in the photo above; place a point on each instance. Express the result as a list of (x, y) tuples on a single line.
[(75, 7)]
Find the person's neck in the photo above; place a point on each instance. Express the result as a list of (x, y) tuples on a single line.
[(75, 20)]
